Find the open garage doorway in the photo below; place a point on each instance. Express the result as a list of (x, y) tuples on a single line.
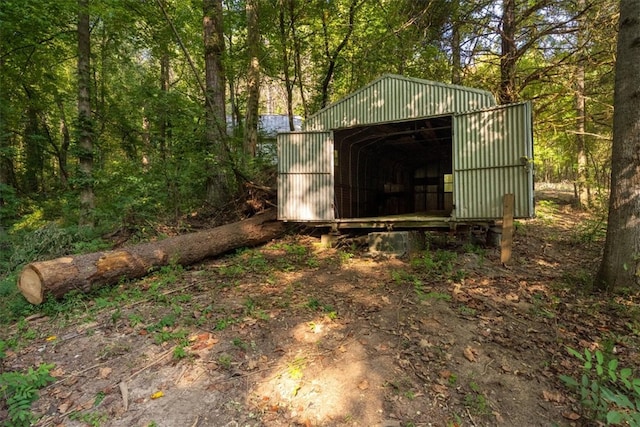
[(394, 168)]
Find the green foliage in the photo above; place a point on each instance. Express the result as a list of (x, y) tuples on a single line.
[(179, 352), (607, 392), (93, 419), (51, 241), (19, 390), (438, 264), (589, 231)]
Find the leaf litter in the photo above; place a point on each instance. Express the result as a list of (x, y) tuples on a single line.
[(289, 334)]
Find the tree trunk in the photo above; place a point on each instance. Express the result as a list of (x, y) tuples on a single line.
[(508, 55), (85, 139), (584, 190), (164, 125), (253, 79), (86, 272), (456, 54), (64, 145), (332, 57), (621, 260), (297, 46), (215, 133), (288, 82)]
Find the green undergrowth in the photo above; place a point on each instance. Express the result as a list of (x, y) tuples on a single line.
[(18, 391), (607, 392)]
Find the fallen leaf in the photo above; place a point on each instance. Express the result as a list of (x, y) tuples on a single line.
[(571, 416), (64, 406), (295, 391), (57, 372), (552, 396), (386, 300), (364, 384), (52, 338), (440, 389), (157, 395), (424, 343), (512, 297), (499, 418), (382, 347), (470, 353), (104, 373), (445, 374)]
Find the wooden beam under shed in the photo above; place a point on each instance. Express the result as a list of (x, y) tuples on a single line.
[(506, 243)]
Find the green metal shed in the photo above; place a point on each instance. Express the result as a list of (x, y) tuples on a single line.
[(407, 152)]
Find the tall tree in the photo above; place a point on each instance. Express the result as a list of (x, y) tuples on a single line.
[(85, 125), (253, 78), (215, 133), (332, 53), (508, 53), (621, 260), (582, 188)]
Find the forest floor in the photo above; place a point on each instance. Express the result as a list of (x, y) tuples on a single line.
[(293, 334)]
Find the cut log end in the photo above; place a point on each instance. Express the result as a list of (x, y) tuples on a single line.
[(30, 284)]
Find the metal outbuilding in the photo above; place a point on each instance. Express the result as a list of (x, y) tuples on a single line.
[(407, 152)]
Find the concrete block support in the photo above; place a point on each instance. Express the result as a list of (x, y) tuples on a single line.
[(398, 243)]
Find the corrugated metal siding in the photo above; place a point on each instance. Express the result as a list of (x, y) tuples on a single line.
[(492, 154), (305, 176), (392, 97)]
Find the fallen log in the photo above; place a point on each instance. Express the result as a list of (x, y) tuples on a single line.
[(89, 271)]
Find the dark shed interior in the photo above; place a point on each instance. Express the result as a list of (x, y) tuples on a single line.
[(395, 168)]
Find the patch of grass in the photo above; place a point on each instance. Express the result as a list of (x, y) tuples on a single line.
[(163, 336), (224, 323), (438, 264), (232, 271), (471, 248), (589, 231), (93, 419), (546, 211), (167, 321), (99, 398), (113, 350), (238, 342), (179, 352), (476, 401), (467, 311), (438, 296), (580, 280), (134, 319), (345, 256), (225, 361)]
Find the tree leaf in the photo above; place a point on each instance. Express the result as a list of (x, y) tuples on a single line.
[(570, 381), (614, 417)]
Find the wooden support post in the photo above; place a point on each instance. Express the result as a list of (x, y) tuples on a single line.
[(506, 243)]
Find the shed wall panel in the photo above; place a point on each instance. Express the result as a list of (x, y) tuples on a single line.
[(305, 176), (391, 98), (493, 150)]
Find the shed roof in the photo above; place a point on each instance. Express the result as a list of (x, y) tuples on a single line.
[(392, 97)]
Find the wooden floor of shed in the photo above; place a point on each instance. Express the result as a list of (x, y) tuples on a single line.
[(437, 219)]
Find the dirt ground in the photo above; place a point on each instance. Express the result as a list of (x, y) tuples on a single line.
[(293, 334)]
